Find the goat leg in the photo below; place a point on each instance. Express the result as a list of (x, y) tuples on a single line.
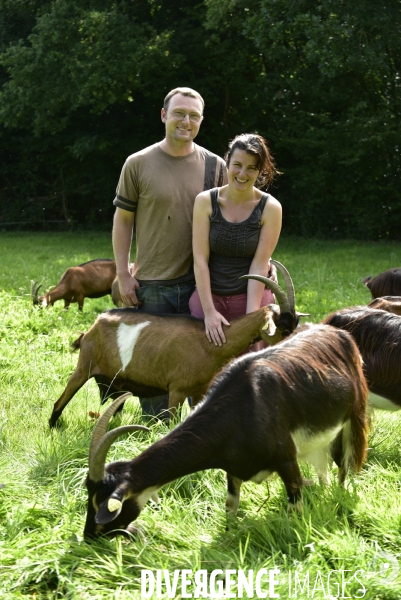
[(232, 498), (75, 382), (80, 300), (233, 490), (175, 400), (291, 476), (337, 454)]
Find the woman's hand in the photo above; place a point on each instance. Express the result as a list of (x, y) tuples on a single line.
[(214, 329)]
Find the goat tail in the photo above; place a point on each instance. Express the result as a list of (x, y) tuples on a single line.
[(349, 449), (354, 443), (354, 438), (359, 421), (77, 343)]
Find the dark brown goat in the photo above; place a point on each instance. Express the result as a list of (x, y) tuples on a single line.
[(147, 354), (92, 279), (299, 400), (387, 283), (378, 337)]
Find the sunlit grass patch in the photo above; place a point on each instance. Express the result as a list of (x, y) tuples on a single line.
[(43, 503)]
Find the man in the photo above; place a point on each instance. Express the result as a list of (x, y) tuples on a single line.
[(156, 191)]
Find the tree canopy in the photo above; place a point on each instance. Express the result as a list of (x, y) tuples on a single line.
[(82, 84)]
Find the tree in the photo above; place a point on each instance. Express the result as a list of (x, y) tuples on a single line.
[(331, 72), (82, 82)]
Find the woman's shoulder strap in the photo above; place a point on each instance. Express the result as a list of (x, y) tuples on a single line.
[(262, 202), (214, 194)]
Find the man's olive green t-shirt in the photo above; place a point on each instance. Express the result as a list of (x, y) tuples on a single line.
[(161, 190)]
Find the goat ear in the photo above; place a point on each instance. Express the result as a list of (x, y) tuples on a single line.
[(110, 508), (269, 327)]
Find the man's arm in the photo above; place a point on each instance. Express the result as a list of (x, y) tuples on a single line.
[(123, 226)]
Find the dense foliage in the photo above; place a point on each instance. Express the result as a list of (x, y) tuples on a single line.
[(82, 84)]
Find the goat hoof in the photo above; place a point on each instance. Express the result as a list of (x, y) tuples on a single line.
[(129, 532), (295, 508), (132, 530), (55, 423)]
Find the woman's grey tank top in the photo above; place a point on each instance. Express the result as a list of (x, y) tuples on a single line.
[(232, 248)]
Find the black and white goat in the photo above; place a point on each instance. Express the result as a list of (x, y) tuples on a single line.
[(299, 400), (378, 337), (147, 354)]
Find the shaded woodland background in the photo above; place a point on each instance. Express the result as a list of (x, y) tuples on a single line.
[(82, 83)]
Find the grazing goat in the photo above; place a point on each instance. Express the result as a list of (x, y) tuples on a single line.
[(92, 279), (148, 355), (378, 337), (299, 400), (387, 283)]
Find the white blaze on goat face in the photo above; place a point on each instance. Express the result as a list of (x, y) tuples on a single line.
[(127, 337)]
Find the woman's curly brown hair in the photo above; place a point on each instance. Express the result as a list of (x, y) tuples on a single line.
[(255, 144)]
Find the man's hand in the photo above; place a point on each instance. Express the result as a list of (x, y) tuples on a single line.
[(128, 286)]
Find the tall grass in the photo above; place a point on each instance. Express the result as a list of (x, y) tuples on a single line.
[(43, 504)]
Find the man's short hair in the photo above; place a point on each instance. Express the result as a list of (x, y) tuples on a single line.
[(184, 91)]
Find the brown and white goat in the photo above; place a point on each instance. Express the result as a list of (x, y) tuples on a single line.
[(388, 303), (148, 355), (92, 279), (387, 283), (378, 336), (299, 400)]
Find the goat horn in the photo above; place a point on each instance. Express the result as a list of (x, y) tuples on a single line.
[(98, 460), (102, 441), (34, 291), (281, 296), (289, 286), (103, 421)]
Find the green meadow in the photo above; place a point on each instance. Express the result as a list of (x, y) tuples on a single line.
[(345, 543)]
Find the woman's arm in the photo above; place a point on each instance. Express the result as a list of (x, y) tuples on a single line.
[(201, 251), (268, 238)]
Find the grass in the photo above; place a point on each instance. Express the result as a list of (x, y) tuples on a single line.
[(43, 506)]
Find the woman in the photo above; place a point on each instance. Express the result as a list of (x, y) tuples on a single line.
[(235, 231)]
